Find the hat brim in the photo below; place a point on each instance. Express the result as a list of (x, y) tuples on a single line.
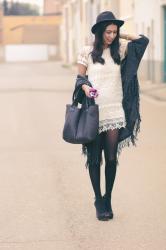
[(117, 22)]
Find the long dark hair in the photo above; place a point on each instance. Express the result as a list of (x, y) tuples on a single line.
[(98, 45)]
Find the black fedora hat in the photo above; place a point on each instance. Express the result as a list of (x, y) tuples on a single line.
[(106, 16)]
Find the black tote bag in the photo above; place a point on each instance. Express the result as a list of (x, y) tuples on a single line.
[(81, 123)]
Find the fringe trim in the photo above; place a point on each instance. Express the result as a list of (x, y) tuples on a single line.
[(112, 126), (125, 143), (92, 156), (131, 140)]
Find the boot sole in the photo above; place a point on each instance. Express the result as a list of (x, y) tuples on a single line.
[(103, 219)]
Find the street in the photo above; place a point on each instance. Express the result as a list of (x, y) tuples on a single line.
[(46, 195)]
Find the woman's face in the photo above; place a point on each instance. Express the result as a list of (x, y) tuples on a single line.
[(109, 34)]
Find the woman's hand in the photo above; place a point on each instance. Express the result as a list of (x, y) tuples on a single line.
[(88, 90), (129, 37)]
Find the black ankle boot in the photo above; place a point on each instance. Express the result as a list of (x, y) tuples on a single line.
[(100, 210), (108, 208)]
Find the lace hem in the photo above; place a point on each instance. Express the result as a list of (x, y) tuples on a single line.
[(111, 125)]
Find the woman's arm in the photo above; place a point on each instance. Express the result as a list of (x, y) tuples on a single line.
[(129, 36), (82, 71)]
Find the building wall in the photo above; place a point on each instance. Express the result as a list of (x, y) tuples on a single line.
[(126, 13), (147, 17), (1, 25), (1, 35), (151, 23), (14, 26), (164, 47), (24, 53), (53, 6)]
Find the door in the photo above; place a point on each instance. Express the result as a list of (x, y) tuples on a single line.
[(164, 44)]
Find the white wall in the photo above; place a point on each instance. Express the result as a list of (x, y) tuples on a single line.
[(148, 15), (26, 52)]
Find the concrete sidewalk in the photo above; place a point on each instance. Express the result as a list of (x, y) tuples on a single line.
[(154, 91)]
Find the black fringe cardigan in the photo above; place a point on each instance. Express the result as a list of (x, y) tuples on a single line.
[(129, 66)]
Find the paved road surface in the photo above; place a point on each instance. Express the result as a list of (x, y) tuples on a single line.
[(46, 196)]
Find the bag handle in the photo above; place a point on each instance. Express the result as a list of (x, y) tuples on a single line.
[(86, 102)]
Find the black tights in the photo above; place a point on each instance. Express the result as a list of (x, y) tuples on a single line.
[(109, 140)]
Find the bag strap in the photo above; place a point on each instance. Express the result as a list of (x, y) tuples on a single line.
[(73, 96)]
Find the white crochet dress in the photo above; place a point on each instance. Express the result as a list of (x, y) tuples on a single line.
[(107, 80)]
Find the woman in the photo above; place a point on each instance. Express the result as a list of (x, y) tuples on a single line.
[(103, 62)]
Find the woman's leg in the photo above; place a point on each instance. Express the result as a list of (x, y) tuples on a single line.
[(110, 152), (94, 172)]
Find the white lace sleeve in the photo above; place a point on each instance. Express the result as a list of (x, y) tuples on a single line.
[(83, 56), (123, 48)]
